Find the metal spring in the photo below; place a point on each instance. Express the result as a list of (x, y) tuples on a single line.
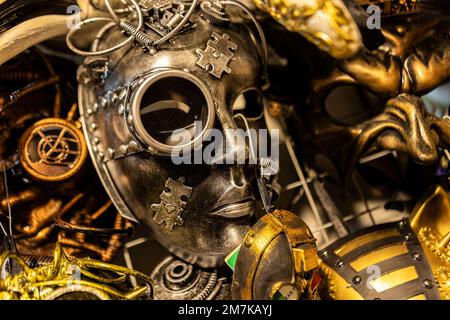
[(36, 261), (15, 75), (141, 37), (206, 291), (113, 245), (33, 87)]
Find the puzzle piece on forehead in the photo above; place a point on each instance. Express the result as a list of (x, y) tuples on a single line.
[(215, 63), (216, 56), (222, 44)]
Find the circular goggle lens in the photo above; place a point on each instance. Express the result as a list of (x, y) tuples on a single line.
[(173, 111)]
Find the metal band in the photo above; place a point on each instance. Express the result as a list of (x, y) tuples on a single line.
[(258, 239), (358, 280), (256, 242)]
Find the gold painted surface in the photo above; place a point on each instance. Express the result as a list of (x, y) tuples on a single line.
[(431, 222), (394, 278), (255, 244), (325, 23), (337, 288), (378, 256), (41, 283), (365, 239), (57, 161)]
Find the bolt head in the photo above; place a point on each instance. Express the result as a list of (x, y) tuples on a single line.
[(428, 284), (357, 280), (340, 264)]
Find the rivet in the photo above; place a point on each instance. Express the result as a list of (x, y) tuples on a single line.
[(357, 279), (122, 93), (130, 119), (123, 149), (93, 126), (340, 264), (152, 150), (102, 102), (89, 111), (111, 152), (114, 97), (95, 107), (133, 145), (249, 238), (121, 109), (325, 253), (428, 284), (408, 236), (100, 156), (96, 140), (417, 256)]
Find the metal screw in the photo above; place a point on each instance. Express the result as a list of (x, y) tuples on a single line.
[(408, 237), (417, 256), (357, 279), (428, 284), (340, 264)]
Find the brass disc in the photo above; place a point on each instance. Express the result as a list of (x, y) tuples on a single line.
[(52, 150)]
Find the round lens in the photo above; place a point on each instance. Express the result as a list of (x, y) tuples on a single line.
[(173, 109)]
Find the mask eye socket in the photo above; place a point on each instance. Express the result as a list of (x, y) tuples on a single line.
[(350, 105), (172, 110), (437, 102), (250, 104)]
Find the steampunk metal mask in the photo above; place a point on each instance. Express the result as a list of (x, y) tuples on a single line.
[(389, 83), (135, 98)]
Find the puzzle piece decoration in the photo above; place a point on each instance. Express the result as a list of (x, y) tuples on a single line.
[(168, 211), (217, 55)]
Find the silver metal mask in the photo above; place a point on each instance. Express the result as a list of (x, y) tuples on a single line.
[(133, 99)]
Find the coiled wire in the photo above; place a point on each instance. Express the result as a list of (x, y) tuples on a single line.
[(97, 19)]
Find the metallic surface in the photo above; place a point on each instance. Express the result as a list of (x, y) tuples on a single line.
[(277, 252), (175, 279), (43, 282), (58, 149), (325, 23), (385, 262), (431, 222), (408, 65), (403, 260), (135, 176)]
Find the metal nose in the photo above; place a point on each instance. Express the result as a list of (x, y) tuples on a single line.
[(235, 147), (418, 140)]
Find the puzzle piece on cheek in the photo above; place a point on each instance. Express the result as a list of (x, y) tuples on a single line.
[(173, 200)]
